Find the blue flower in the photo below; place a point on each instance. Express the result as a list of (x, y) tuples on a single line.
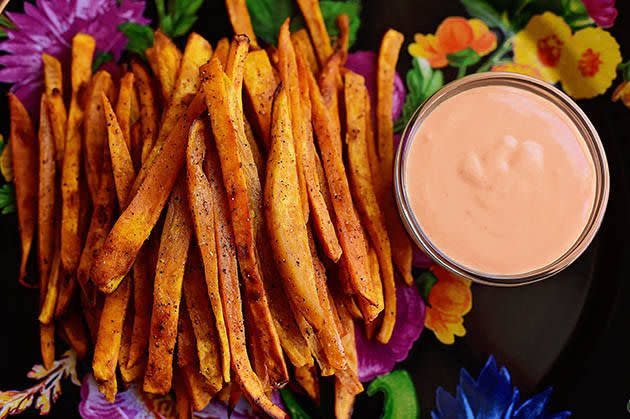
[(491, 396)]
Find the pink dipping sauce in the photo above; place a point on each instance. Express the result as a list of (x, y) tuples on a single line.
[(500, 180)]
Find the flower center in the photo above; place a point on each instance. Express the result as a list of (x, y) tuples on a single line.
[(549, 49), (589, 63)]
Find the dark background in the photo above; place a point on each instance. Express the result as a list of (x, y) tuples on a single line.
[(569, 332)]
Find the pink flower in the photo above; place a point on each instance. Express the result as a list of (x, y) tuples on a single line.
[(48, 26), (603, 12)]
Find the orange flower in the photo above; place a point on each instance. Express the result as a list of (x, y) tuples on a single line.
[(453, 35), (449, 300)]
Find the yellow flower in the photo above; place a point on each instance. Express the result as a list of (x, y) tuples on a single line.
[(589, 64), (541, 44), (525, 69), (449, 300), (453, 35), (622, 92)]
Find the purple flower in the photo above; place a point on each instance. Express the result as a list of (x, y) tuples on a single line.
[(49, 26), (603, 12), (377, 359)]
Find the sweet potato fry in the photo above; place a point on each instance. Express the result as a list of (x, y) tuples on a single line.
[(371, 312), (46, 212), (217, 88), (186, 344), (199, 391), (348, 226), (330, 86), (230, 292), (198, 51), (289, 78), (285, 219), (51, 292), (53, 82), (303, 46), (95, 135), (23, 147), (47, 344), (123, 106), (121, 163), (174, 243), (305, 149), (100, 224), (343, 40), (142, 303), (82, 53), (259, 159), (222, 50), (168, 58), (375, 164), (74, 330), (199, 309), (260, 83), (316, 26), (109, 336), (135, 372), (152, 59), (201, 207), (368, 206), (241, 22), (149, 113), (388, 57), (133, 227)]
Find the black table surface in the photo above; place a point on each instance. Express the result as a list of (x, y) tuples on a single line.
[(569, 332)]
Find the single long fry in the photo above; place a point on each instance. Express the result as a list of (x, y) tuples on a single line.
[(307, 377), (348, 226), (260, 84), (46, 210), (330, 86), (149, 113), (121, 163), (303, 46), (198, 305), (241, 22), (23, 145), (123, 106), (183, 404), (123, 242), (133, 373), (198, 51), (230, 292), (169, 274), (315, 183), (109, 336), (95, 135), (402, 251), (167, 58), (53, 81), (285, 219), (82, 53), (217, 87), (201, 206), (47, 344), (289, 77), (51, 292), (316, 26), (142, 299), (365, 196)]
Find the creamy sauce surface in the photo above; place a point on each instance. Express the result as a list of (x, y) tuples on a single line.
[(500, 180)]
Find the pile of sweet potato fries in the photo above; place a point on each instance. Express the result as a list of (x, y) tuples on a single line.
[(207, 217)]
